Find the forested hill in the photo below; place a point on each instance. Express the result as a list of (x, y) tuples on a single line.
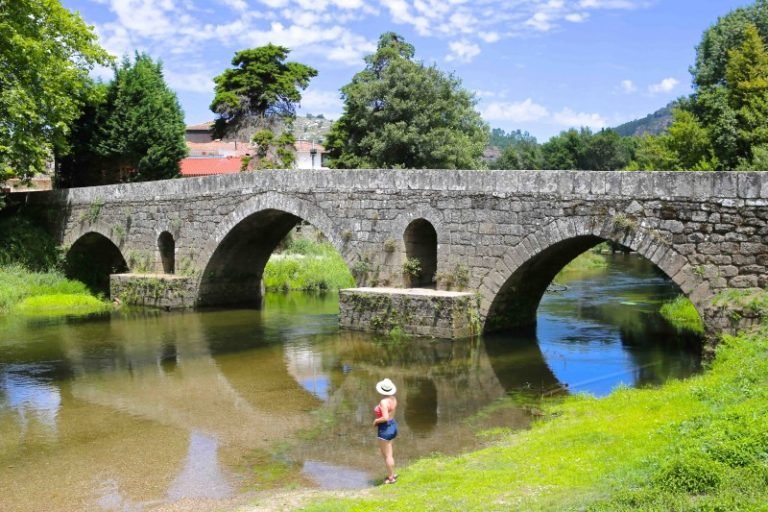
[(653, 124)]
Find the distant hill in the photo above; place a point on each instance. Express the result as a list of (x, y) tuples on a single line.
[(653, 124), (311, 128)]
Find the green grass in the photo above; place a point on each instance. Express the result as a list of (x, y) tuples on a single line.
[(61, 304), (682, 314), (585, 262), (309, 266), (699, 444), (40, 292)]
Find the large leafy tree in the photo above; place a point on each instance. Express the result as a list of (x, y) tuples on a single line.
[(731, 81), (143, 133), (46, 53), (400, 113), (260, 92)]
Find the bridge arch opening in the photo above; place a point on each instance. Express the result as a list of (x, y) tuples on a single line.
[(517, 302), (420, 239), (234, 274), (91, 259), (167, 247)]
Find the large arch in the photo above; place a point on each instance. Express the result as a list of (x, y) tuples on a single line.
[(91, 258), (237, 252), (511, 292)]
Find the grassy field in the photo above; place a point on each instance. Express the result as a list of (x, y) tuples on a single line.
[(308, 266), (694, 445)]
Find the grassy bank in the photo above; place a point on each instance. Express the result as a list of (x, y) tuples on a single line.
[(44, 293), (682, 314), (699, 444), (309, 266), (30, 280)]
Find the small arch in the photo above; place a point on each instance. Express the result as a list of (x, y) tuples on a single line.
[(92, 259), (167, 247), (420, 239)]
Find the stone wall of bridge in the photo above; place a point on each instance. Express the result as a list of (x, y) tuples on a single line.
[(504, 234)]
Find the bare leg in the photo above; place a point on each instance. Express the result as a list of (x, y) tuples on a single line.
[(389, 459)]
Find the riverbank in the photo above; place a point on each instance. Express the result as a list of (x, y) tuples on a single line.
[(31, 282), (307, 266), (697, 444)]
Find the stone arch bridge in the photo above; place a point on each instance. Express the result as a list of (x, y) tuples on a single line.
[(503, 234)]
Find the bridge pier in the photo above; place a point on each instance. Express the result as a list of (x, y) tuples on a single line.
[(410, 312)]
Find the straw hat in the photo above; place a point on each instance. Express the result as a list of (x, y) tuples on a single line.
[(386, 387)]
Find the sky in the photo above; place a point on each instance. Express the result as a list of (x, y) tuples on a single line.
[(541, 66)]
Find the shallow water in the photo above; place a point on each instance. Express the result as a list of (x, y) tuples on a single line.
[(139, 410)]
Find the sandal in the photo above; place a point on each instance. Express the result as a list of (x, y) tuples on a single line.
[(390, 480)]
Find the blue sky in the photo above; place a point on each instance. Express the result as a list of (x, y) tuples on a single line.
[(537, 65)]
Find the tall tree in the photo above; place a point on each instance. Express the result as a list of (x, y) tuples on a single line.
[(730, 98), (399, 113), (143, 135), (46, 54), (260, 92)]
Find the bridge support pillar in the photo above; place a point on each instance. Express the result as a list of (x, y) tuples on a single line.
[(166, 291), (411, 312)]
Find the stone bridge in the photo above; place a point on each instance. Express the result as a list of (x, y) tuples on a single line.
[(503, 234)]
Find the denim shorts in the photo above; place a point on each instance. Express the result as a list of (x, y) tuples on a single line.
[(387, 431)]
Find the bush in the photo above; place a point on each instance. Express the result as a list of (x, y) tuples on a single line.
[(692, 473), (27, 244), (682, 314)]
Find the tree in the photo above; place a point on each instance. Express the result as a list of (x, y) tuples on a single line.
[(271, 152), (520, 150), (399, 113), (730, 78), (143, 133), (260, 92), (685, 147), (45, 57)]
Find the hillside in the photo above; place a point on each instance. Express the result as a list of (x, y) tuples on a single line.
[(312, 128), (653, 124)]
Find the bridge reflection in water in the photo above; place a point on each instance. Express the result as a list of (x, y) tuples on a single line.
[(139, 411)]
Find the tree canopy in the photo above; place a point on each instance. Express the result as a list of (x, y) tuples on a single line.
[(400, 113), (133, 131), (262, 90), (45, 56)]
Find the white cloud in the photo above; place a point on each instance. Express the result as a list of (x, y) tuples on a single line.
[(571, 119), (577, 17), (628, 86), (523, 111), (462, 50), (195, 81), (238, 5), (489, 37), (666, 85)]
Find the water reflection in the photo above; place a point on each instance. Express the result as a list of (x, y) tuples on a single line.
[(144, 409)]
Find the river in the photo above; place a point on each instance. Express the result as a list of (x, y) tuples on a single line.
[(142, 410)]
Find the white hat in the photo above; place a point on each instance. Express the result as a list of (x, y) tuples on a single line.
[(386, 387)]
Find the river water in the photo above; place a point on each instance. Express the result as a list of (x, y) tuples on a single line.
[(146, 410)]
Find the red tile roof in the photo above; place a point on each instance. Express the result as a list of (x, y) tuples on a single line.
[(209, 166)]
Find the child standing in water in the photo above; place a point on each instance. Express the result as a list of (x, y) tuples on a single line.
[(386, 425)]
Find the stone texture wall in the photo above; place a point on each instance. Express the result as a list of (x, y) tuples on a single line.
[(413, 312), (154, 290), (512, 230)]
